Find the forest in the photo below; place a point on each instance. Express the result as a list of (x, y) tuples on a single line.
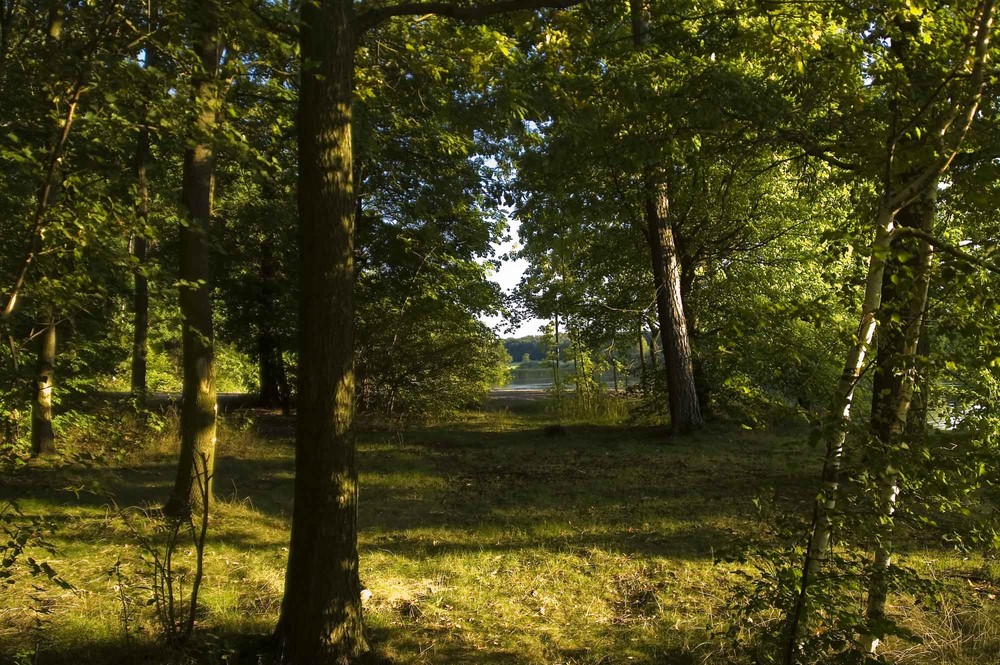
[(254, 410)]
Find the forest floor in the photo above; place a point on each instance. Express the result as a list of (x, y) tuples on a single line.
[(489, 539)]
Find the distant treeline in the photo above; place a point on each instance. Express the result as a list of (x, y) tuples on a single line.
[(533, 345)]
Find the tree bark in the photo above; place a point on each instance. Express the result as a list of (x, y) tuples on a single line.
[(910, 293), (43, 440), (321, 618), (902, 277), (198, 410), (835, 428), (11, 419), (685, 412), (843, 398)]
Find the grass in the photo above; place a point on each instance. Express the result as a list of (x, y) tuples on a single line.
[(489, 539)]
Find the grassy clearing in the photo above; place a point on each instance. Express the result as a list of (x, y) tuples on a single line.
[(484, 540)]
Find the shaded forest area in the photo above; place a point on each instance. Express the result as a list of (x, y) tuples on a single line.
[(251, 412)]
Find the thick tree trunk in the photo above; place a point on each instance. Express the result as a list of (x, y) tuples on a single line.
[(685, 412), (43, 440), (198, 410), (140, 297), (320, 619)]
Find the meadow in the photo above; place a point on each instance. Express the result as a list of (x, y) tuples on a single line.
[(492, 537)]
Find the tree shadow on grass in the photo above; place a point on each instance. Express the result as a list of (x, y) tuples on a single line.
[(389, 646), (450, 492), (451, 480)]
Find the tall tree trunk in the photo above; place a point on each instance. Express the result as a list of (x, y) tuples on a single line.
[(685, 412), (835, 428), (140, 244), (140, 297), (43, 440), (320, 619), (843, 397), (198, 410), (889, 422)]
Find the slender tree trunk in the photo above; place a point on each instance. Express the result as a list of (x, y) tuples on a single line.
[(139, 246), (283, 387), (889, 423), (642, 355), (558, 369), (12, 419), (320, 619), (43, 440), (198, 410), (835, 428), (140, 298), (654, 362), (843, 397), (269, 367), (614, 372), (917, 421), (269, 360), (687, 267)]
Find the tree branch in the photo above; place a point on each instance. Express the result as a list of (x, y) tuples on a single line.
[(984, 24), (946, 247), (820, 152), (373, 17)]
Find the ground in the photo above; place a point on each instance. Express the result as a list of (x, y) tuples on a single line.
[(488, 539)]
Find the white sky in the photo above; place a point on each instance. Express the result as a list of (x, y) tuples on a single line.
[(508, 277)]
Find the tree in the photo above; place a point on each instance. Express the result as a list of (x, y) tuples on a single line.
[(198, 410), (321, 610)]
